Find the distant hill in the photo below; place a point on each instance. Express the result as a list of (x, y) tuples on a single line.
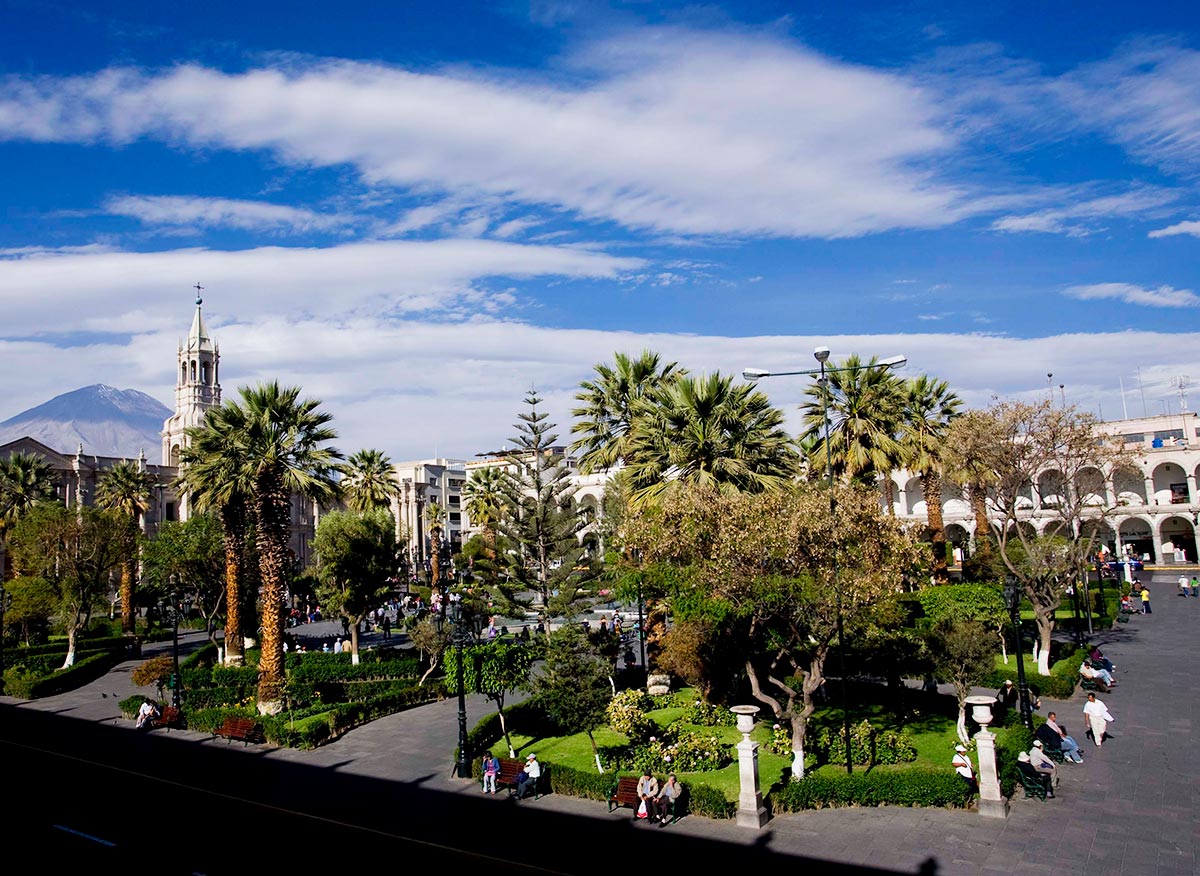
[(108, 422)]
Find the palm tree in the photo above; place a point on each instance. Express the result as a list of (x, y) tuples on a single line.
[(485, 494), (213, 475), (708, 431), (611, 405), (435, 516), (965, 463), (928, 409), (865, 404), (370, 481), (282, 438), (26, 480), (129, 491)]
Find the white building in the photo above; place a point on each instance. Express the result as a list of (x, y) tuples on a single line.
[(1157, 506)]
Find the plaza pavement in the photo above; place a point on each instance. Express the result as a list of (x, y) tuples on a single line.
[(1131, 808)]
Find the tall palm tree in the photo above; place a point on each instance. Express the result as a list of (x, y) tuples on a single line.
[(214, 477), (26, 480), (129, 491), (611, 404), (929, 407), (283, 440), (865, 404), (706, 430), (370, 482), (485, 493), (965, 463), (435, 518)]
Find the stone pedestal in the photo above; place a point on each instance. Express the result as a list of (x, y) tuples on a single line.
[(658, 683), (991, 803), (751, 812)]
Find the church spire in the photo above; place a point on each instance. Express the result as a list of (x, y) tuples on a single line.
[(197, 384), (198, 337)]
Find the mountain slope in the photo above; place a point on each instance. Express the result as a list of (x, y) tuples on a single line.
[(107, 421)]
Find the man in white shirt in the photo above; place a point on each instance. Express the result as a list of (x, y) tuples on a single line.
[(1098, 717), (962, 765), (533, 774)]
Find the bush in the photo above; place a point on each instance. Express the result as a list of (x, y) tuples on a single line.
[(1059, 684), (626, 714), (27, 685), (908, 786), (707, 801), (579, 783), (680, 751), (867, 745), (1015, 740), (697, 711)]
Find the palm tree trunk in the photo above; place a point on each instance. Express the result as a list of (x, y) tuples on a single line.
[(272, 508), (983, 528), (127, 597), (232, 532), (435, 561), (937, 530)]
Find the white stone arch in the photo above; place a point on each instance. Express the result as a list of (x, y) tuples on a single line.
[(1170, 483), (1053, 526), (1129, 485), (1177, 533), (1138, 531), (914, 496), (1106, 535), (1025, 526), (1051, 489), (1025, 497), (175, 455), (1091, 488), (954, 500)]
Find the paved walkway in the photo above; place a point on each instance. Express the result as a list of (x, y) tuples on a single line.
[(1131, 808)]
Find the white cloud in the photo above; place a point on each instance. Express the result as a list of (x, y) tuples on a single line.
[(669, 129), (1163, 296), (1082, 217), (201, 212), (383, 279), (416, 387), (1190, 227)]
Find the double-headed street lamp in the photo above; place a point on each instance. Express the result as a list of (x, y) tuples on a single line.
[(452, 610), (821, 354), (173, 609)]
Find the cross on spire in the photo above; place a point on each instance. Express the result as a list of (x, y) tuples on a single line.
[(198, 289)]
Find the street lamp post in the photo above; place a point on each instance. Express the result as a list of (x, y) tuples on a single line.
[(174, 609), (821, 354), (463, 767), (3, 608), (1012, 595)]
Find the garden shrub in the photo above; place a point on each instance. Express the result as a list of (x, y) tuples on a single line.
[(908, 786), (29, 684), (697, 711), (580, 783), (626, 714), (707, 801), (867, 745), (1059, 684), (1015, 740), (680, 751), (780, 742)]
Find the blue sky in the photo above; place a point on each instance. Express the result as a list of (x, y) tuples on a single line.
[(417, 211)]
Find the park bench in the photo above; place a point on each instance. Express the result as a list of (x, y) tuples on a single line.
[(624, 793), (244, 729), (1033, 787), (1055, 754), (507, 777), (170, 718)]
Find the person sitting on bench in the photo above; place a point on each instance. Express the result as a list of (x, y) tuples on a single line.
[(668, 798), (1052, 733), (533, 772), (1042, 763), (1102, 677), (147, 712), (1098, 658), (1027, 771), (647, 791)]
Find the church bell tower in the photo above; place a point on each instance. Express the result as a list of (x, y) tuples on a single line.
[(197, 385)]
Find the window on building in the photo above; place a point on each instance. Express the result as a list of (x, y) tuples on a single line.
[(452, 500), (456, 485), (1169, 434), (1134, 437), (170, 512), (455, 517), (204, 372)]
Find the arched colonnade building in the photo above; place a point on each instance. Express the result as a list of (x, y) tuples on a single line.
[(1153, 500)]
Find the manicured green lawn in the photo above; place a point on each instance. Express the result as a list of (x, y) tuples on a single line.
[(931, 734)]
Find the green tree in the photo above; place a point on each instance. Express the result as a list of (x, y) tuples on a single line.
[(574, 684), (612, 403), (285, 455), (31, 602), (431, 639), (980, 603), (929, 407), (494, 670), (370, 482), (543, 523), (193, 552), (356, 558), (866, 406), (74, 550), (706, 431), (485, 493), (26, 480), (128, 490), (214, 475), (963, 656), (435, 520)]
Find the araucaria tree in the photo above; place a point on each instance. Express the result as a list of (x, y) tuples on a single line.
[(73, 550), (356, 558), (573, 684), (1045, 460), (127, 490), (771, 560), (543, 521)]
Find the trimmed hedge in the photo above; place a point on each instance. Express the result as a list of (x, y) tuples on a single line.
[(1016, 739), (909, 786), (1059, 684), (30, 685)]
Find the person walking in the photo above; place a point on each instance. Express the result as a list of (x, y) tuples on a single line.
[(1097, 716), (1184, 585), (1145, 594), (1195, 586)]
